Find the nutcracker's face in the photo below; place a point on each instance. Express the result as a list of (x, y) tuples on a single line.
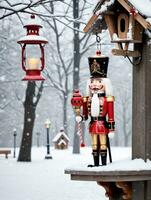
[(96, 85)]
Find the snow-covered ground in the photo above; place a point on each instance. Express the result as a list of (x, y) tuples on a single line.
[(45, 179)]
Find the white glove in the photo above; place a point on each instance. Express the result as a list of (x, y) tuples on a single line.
[(111, 134), (78, 119)]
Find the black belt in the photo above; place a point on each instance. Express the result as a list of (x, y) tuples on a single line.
[(98, 118), (100, 94)]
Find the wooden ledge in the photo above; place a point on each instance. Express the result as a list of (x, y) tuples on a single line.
[(109, 176), (117, 184)]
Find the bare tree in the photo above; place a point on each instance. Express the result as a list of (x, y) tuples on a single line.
[(80, 46), (9, 8), (31, 100), (62, 62), (65, 61)]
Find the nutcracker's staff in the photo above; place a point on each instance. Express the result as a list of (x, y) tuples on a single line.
[(77, 102)]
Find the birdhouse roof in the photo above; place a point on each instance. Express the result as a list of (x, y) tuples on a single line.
[(142, 8), (59, 135), (62, 142)]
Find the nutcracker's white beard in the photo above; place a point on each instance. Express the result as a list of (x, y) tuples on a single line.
[(95, 106)]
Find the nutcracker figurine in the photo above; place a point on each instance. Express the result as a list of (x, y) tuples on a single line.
[(99, 105)]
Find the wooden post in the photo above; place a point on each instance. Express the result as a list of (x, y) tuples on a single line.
[(141, 126)]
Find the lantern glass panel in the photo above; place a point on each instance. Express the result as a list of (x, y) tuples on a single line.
[(33, 57)]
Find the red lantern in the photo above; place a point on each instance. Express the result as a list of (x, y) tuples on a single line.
[(33, 58), (77, 100)]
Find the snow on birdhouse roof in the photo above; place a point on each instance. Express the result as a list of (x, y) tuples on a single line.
[(62, 142), (105, 6), (144, 7), (61, 133), (143, 14)]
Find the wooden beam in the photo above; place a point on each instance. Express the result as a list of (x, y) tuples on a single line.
[(110, 21), (141, 117), (138, 17), (90, 23), (121, 52), (126, 41), (109, 176)]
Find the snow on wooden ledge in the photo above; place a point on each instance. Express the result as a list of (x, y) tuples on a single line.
[(125, 170), (128, 165)]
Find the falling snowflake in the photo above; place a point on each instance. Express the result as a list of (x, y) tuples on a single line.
[(76, 69), (29, 119)]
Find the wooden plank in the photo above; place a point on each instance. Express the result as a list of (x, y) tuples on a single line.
[(109, 176), (141, 117), (94, 16), (137, 31), (90, 23), (121, 52), (143, 22), (110, 21), (138, 17), (125, 178), (138, 189), (125, 41), (126, 46)]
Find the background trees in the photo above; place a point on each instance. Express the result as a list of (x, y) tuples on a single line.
[(66, 68)]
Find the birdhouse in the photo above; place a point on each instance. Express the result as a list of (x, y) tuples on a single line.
[(61, 140), (124, 22), (123, 27)]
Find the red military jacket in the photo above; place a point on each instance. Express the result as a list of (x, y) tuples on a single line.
[(104, 123)]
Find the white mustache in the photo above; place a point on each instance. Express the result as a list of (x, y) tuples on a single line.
[(96, 88)]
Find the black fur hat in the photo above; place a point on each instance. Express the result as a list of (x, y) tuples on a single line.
[(98, 65)]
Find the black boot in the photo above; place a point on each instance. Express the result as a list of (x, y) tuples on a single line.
[(96, 157), (103, 156), (95, 154)]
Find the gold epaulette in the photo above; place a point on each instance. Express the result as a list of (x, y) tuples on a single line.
[(85, 98), (110, 98)]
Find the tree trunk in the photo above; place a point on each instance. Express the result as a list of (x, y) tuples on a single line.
[(65, 115), (29, 119), (76, 64)]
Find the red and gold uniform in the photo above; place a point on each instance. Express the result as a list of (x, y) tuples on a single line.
[(99, 125), (98, 105)]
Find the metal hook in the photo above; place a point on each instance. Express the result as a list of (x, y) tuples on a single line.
[(98, 38), (98, 41)]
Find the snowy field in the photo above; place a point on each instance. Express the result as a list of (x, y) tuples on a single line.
[(45, 179)]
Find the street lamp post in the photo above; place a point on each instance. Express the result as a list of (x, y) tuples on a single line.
[(47, 125), (14, 134)]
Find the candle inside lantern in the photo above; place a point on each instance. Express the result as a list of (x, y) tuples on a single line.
[(33, 63)]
